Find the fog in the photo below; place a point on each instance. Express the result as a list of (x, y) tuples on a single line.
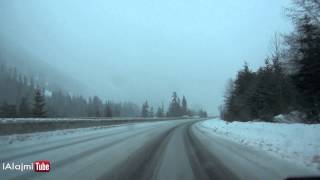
[(144, 50)]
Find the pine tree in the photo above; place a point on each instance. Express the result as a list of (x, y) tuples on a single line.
[(160, 111), (145, 109), (3, 109), (108, 109), (117, 109), (24, 110), (174, 107), (303, 56), (97, 106), (307, 77), (151, 113), (184, 108), (8, 111), (243, 88), (202, 113), (39, 104)]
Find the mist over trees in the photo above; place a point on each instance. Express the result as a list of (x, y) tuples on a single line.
[(179, 108), (145, 110), (289, 80), (160, 112), (39, 104), (22, 97)]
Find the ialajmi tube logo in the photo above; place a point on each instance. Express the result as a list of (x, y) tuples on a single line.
[(37, 166)]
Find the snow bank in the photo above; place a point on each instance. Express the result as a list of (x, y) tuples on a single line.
[(43, 136), (298, 143), (61, 135), (292, 117)]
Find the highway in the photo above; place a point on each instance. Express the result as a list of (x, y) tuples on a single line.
[(170, 150)]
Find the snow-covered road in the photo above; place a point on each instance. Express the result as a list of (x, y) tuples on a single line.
[(168, 150)]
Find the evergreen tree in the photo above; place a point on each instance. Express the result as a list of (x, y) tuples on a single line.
[(227, 109), (243, 88), (202, 113), (3, 109), (304, 48), (108, 109), (307, 77), (17, 90), (262, 101), (160, 111), (259, 95), (97, 106), (24, 110), (145, 109), (151, 113), (174, 107), (39, 104), (8, 111), (117, 109), (184, 108)]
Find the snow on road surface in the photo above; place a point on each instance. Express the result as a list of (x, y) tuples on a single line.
[(85, 152), (296, 143), (21, 140), (176, 149)]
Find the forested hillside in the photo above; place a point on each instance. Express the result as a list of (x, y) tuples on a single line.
[(289, 80), (19, 95), (46, 75), (22, 96)]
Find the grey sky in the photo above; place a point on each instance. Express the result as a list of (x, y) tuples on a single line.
[(145, 49)]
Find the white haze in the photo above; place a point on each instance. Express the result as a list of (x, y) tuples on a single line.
[(145, 49)]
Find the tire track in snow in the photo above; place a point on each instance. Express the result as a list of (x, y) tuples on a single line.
[(142, 164), (52, 148), (77, 157), (205, 165)]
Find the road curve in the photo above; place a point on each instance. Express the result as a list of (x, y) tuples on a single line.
[(171, 150), (175, 154)]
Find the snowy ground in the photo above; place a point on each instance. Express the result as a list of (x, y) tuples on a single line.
[(12, 141), (23, 120), (165, 149), (9, 126), (297, 143), (89, 153)]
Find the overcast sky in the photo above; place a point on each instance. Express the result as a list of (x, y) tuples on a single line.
[(145, 49)]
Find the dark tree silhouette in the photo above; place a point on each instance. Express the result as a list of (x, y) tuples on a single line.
[(151, 113), (145, 109), (24, 109), (308, 73), (184, 108), (108, 109), (39, 104), (174, 107), (8, 110), (160, 111)]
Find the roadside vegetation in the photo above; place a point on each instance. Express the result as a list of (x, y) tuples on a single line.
[(24, 97), (290, 79)]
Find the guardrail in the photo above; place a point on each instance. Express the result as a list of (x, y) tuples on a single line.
[(21, 126)]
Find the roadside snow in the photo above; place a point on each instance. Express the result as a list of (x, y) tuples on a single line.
[(297, 143), (9, 141), (292, 117), (37, 137)]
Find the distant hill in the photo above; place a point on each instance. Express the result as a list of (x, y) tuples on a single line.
[(43, 73)]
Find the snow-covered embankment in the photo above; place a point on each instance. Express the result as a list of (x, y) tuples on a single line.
[(297, 143)]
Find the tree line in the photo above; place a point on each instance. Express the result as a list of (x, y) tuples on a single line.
[(177, 108), (289, 80), (23, 97)]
